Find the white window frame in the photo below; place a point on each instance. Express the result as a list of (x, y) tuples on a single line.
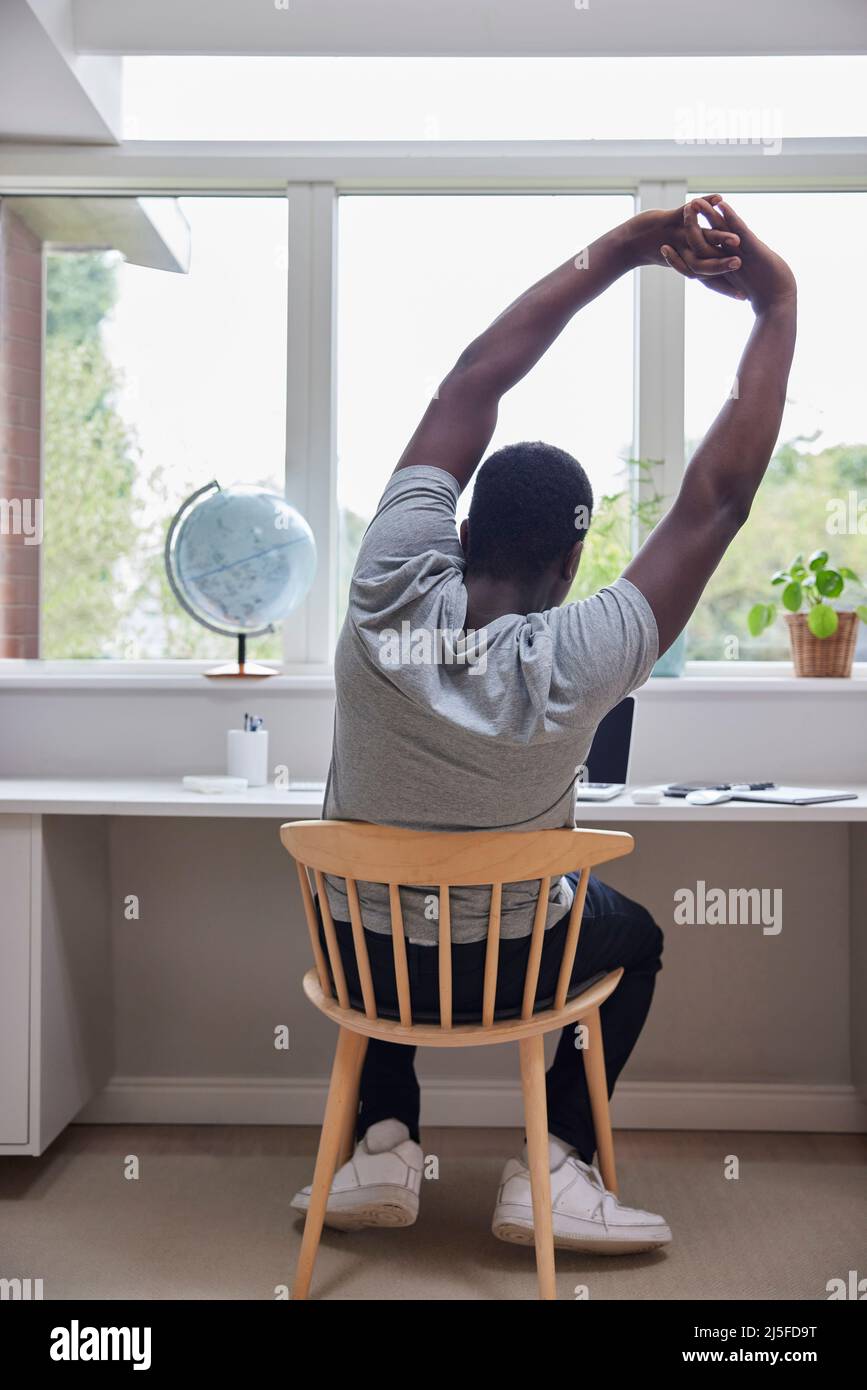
[(313, 177)]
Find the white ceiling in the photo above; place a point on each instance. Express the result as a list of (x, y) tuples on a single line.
[(48, 91), (516, 27), (60, 60)]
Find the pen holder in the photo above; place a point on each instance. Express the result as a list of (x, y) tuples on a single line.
[(247, 755)]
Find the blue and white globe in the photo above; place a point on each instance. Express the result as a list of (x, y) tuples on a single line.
[(239, 558)]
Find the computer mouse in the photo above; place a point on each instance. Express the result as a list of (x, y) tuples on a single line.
[(708, 796)]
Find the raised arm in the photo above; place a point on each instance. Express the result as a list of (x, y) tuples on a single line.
[(457, 426), (680, 555)]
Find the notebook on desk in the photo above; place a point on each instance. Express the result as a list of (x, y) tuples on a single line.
[(765, 791), (795, 796)]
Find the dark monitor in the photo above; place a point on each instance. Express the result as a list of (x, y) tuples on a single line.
[(608, 759)]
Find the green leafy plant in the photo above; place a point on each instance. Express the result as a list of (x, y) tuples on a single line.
[(810, 584)]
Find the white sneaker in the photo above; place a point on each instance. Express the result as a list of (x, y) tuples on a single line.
[(586, 1216), (379, 1186)]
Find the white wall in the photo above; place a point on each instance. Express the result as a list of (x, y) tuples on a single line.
[(780, 729)]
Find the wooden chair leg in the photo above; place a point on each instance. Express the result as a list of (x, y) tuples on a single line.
[(597, 1085), (341, 1090), (347, 1144), (532, 1052)]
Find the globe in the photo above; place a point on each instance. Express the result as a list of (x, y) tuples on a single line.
[(239, 559)]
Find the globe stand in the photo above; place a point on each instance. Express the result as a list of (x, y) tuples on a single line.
[(242, 669)]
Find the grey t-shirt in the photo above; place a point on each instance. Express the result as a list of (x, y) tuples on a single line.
[(433, 732)]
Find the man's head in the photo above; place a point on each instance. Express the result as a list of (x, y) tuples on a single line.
[(528, 517)]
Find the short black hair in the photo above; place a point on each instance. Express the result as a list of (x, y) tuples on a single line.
[(531, 503)]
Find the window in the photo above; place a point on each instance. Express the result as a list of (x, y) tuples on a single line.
[(418, 278), (154, 384), (566, 98), (159, 375), (821, 457)]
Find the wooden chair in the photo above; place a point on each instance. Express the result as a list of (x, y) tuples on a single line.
[(358, 852)]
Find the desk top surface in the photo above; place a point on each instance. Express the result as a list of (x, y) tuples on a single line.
[(144, 796)]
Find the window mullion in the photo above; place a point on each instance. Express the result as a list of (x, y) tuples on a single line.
[(659, 359), (311, 455)]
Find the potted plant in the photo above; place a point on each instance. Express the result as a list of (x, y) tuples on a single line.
[(822, 638)]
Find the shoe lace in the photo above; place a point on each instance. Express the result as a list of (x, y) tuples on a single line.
[(607, 1200)]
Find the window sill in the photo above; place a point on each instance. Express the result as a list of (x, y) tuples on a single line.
[(753, 678), (701, 678), (153, 676)]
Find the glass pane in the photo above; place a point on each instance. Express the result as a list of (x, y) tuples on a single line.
[(419, 278), (568, 98), (155, 384), (820, 464)]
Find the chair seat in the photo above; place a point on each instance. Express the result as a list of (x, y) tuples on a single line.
[(432, 1016), (462, 1034)]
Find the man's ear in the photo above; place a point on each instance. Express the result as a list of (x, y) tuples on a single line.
[(572, 561), (464, 534)]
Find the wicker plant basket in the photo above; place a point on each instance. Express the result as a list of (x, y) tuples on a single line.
[(823, 656)]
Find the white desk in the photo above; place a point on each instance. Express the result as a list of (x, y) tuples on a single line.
[(55, 958), (167, 797), (147, 796)]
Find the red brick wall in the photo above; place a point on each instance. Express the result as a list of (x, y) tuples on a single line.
[(20, 391)]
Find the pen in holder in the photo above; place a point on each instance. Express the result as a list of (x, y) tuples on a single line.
[(247, 752)]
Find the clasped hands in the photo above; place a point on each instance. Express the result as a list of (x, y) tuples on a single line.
[(722, 252)]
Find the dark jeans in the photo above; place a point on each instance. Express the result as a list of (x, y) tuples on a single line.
[(614, 932)]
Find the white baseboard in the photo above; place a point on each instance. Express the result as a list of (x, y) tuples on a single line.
[(637, 1104)]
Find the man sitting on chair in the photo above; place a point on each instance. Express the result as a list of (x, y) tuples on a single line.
[(467, 699)]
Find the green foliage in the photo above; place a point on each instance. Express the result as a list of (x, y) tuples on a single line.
[(617, 518), (90, 510), (811, 584), (793, 505), (81, 291), (760, 616), (822, 620), (91, 530), (105, 591)]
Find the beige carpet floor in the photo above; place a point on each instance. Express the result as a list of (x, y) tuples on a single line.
[(209, 1217)]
